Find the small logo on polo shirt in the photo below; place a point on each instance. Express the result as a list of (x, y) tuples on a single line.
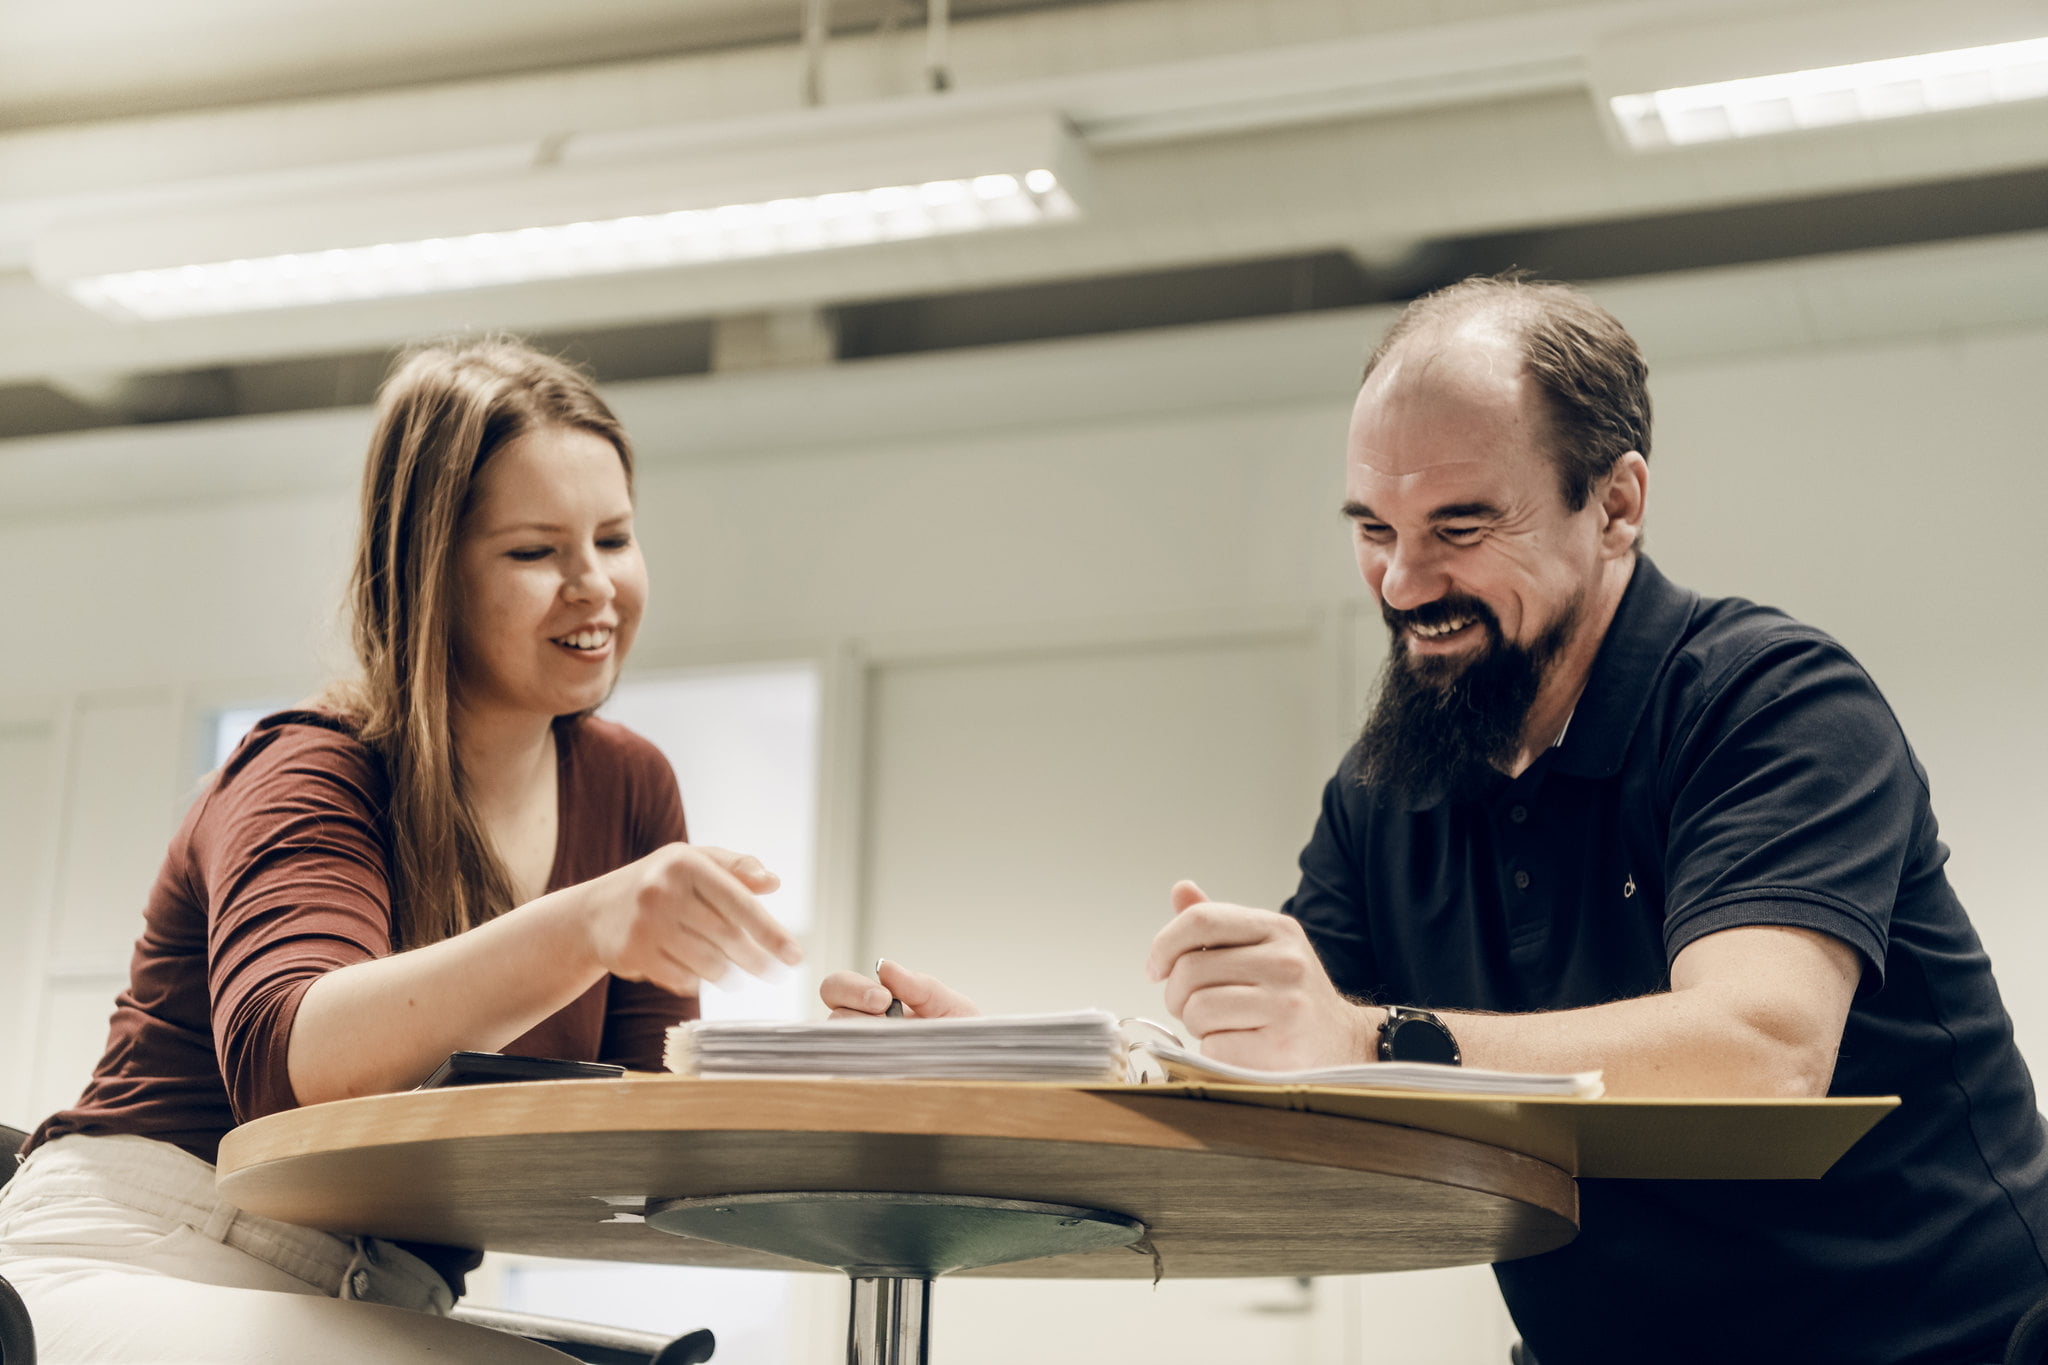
[(1628, 888)]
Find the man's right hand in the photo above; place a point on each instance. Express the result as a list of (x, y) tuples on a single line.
[(1248, 985), (849, 995)]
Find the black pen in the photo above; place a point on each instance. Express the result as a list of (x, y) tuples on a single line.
[(895, 1010)]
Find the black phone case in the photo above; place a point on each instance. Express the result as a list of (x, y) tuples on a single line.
[(492, 1068)]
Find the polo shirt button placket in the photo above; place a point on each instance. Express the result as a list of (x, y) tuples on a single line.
[(1528, 926)]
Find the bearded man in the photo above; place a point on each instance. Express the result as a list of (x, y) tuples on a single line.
[(1598, 821)]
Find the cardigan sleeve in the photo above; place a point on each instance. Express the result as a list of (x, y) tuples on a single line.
[(291, 852)]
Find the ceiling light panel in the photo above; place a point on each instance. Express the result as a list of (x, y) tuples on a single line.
[(728, 232), (1757, 106), (750, 198), (1797, 69)]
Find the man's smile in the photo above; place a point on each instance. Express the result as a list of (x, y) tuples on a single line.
[(1447, 626), (1445, 636)]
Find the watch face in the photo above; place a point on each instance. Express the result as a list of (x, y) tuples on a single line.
[(1421, 1040)]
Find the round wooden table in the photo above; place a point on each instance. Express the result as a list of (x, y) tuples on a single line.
[(588, 1169)]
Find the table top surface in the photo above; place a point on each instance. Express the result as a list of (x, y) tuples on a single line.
[(1227, 1183)]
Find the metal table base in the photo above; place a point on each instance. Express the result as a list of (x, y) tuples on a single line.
[(892, 1246)]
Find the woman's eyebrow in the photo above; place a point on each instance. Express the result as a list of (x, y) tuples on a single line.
[(553, 528)]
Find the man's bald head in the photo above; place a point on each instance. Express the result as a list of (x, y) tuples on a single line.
[(1584, 366)]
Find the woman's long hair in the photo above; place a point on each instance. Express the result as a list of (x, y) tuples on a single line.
[(445, 410)]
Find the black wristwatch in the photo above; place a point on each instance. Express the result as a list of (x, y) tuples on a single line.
[(1412, 1035)]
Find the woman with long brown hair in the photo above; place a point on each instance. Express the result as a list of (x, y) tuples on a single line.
[(448, 852)]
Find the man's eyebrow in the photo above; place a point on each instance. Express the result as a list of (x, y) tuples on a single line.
[(1467, 511), (1456, 511)]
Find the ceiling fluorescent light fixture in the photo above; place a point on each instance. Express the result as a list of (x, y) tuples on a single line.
[(728, 232), (862, 208), (1857, 92)]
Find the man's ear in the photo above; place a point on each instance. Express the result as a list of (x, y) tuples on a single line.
[(1623, 495)]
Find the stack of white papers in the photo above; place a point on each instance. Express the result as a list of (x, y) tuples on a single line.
[(1079, 1047)]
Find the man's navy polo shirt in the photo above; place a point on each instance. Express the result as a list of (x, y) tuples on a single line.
[(1725, 766)]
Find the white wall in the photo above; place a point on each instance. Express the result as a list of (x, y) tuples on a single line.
[(1885, 490), (1884, 493)]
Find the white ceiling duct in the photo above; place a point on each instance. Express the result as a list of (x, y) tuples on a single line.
[(1215, 130)]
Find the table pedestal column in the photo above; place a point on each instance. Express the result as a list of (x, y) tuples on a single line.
[(890, 1321), (893, 1246)]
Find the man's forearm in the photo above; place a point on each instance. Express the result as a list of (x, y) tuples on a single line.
[(1753, 1011), (1697, 1042)]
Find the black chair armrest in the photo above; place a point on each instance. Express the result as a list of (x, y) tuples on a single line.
[(17, 1335), (10, 1143), (591, 1343)]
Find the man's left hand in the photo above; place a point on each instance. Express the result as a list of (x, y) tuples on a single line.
[(1249, 987)]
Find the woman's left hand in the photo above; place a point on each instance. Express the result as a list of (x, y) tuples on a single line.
[(849, 995)]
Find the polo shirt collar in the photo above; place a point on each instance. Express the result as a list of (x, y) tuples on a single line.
[(1648, 625)]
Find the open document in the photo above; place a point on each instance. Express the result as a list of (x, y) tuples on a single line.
[(1078, 1047), (1183, 1064)]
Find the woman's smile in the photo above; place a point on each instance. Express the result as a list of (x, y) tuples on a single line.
[(589, 643)]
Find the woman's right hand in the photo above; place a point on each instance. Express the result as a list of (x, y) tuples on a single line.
[(849, 995), (684, 914)]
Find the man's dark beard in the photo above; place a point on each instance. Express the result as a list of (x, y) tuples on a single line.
[(1441, 727)]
